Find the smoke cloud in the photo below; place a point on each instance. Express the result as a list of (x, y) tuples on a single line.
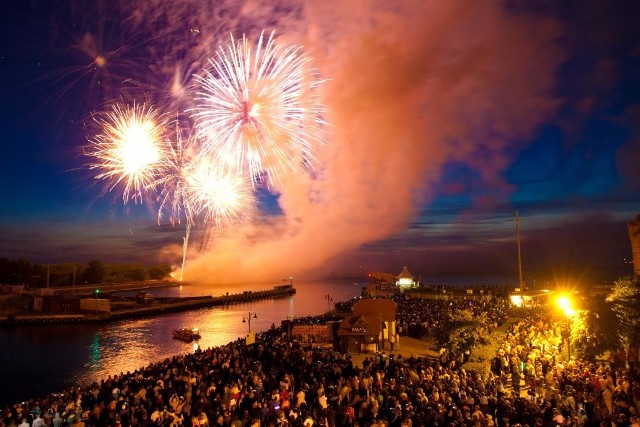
[(411, 86)]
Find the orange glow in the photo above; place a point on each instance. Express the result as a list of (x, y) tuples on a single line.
[(566, 305)]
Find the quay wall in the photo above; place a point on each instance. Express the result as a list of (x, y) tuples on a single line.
[(158, 306)]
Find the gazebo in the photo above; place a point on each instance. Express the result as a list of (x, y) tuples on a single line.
[(405, 278)]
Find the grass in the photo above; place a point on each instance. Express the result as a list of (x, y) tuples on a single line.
[(481, 356)]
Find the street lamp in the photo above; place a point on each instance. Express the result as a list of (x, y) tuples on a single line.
[(248, 319), (329, 300), (565, 304)]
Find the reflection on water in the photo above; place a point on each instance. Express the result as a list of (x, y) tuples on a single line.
[(43, 359), (95, 349)]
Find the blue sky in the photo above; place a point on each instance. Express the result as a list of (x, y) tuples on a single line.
[(444, 120)]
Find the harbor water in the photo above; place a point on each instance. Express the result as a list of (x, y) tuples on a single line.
[(40, 359)]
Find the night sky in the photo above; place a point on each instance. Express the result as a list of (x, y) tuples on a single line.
[(445, 118)]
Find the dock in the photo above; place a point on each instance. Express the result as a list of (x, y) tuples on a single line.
[(130, 308)]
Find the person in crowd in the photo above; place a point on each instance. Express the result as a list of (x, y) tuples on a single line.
[(277, 383)]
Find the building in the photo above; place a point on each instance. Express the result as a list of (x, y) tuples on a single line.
[(405, 279), (530, 298), (387, 280), (634, 235), (370, 327), (379, 290)]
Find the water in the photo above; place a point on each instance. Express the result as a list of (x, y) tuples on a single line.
[(40, 359)]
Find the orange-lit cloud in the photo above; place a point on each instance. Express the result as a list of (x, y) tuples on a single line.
[(413, 84)]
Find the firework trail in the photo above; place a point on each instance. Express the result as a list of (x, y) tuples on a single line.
[(257, 108), (173, 196), (193, 187), (172, 183), (185, 245), (129, 150), (216, 195)]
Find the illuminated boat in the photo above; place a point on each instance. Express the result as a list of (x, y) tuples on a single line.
[(186, 334)]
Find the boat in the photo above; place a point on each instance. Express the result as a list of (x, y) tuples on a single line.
[(186, 334)]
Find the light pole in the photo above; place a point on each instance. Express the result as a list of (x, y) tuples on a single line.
[(566, 306), (248, 319), (329, 300)]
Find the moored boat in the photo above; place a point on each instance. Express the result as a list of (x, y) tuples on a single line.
[(186, 334)]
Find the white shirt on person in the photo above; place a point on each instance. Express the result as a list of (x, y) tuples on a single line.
[(37, 422)]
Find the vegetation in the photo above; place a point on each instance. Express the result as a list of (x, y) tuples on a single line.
[(95, 272), (464, 331), (625, 304), (483, 354), (608, 323), (23, 272), (594, 329)]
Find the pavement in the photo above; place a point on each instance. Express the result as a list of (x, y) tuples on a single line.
[(408, 347), (425, 348)]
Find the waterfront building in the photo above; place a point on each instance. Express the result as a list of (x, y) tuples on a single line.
[(405, 279), (383, 284), (370, 326)]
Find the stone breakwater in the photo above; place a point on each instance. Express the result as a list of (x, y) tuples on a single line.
[(131, 309)]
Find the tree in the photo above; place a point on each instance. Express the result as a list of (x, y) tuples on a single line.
[(159, 272), (595, 329), (95, 272), (625, 303), (22, 269), (120, 273), (463, 330)]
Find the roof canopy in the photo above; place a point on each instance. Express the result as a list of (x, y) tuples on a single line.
[(360, 324), (405, 274), (385, 309)]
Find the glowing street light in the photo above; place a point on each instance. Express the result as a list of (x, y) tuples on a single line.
[(567, 307), (248, 319)]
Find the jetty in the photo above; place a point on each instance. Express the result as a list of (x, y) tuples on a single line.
[(112, 308)]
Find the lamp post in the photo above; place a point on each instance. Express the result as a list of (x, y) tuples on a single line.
[(329, 300), (248, 319), (566, 306)]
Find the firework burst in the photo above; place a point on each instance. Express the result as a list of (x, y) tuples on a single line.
[(216, 194), (254, 116), (257, 108), (129, 150), (90, 57)]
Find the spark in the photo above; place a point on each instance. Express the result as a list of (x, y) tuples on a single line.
[(192, 186), (252, 115), (257, 107), (216, 193), (173, 185), (129, 149)]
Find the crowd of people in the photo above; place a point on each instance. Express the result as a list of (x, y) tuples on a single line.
[(276, 383), (416, 317)]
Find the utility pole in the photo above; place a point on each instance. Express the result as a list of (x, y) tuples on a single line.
[(519, 253)]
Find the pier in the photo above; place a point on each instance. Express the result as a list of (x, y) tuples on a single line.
[(103, 309)]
